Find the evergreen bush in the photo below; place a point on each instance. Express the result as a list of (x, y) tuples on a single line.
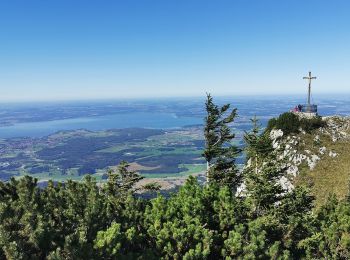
[(290, 123)]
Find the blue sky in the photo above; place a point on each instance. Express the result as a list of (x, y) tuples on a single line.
[(67, 49)]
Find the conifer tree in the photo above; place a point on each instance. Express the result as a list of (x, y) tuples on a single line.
[(295, 217), (219, 152), (178, 226), (122, 180), (258, 144), (264, 188), (263, 171)]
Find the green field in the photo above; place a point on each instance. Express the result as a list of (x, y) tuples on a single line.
[(73, 154), (191, 169)]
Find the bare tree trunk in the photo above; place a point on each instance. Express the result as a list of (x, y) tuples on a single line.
[(207, 173)]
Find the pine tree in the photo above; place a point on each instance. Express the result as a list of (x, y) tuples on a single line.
[(258, 144), (219, 152), (264, 188), (122, 180), (263, 171), (295, 216), (178, 226)]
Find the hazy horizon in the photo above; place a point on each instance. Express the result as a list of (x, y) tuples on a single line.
[(339, 95)]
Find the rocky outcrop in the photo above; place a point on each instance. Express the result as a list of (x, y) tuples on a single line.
[(337, 127), (306, 150)]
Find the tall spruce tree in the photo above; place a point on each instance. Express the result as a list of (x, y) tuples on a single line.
[(219, 152), (263, 171)]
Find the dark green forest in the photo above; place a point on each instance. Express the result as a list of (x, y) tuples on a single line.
[(236, 215)]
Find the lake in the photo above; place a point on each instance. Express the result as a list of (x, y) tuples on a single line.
[(115, 121), (42, 119)]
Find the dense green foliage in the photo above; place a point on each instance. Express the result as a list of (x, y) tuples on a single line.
[(84, 220), (219, 152), (291, 123), (311, 124), (258, 145)]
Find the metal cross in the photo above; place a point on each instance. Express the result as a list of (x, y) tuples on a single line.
[(310, 78)]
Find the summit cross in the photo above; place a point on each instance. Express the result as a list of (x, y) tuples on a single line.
[(310, 78)]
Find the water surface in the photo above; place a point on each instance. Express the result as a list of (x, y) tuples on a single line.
[(116, 121)]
